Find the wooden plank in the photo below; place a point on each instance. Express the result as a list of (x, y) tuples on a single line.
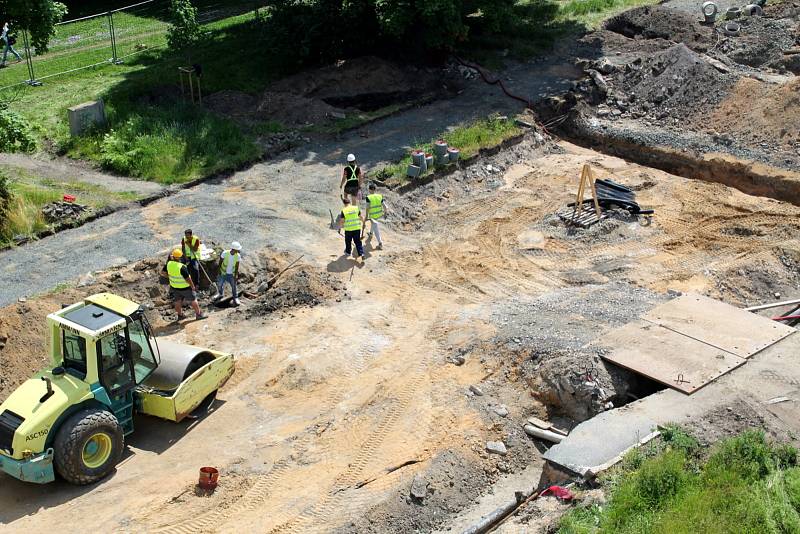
[(668, 357), (724, 326)]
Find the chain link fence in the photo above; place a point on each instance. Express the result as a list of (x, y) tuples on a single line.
[(106, 39)]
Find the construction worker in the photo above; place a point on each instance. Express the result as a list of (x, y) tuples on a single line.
[(229, 271), (375, 207), (352, 221), (190, 247), (181, 285), (351, 180)]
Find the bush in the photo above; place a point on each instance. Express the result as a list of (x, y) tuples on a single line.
[(5, 198), (16, 134), (169, 144)]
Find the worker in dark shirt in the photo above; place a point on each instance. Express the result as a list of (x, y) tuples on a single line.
[(351, 180), (181, 285)]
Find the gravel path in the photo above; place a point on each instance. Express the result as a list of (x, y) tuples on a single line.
[(282, 203), (65, 170)]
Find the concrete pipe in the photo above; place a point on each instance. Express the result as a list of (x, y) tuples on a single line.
[(733, 13), (178, 362), (731, 28), (710, 11), (752, 10), (413, 171), (440, 148)]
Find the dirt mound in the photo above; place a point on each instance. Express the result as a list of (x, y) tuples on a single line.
[(354, 80), (292, 109), (580, 385), (759, 113), (676, 82), (761, 42), (303, 286), (659, 22)]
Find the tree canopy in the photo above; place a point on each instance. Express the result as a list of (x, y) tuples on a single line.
[(321, 30), (37, 16)]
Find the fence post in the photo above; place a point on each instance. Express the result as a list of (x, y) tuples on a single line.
[(112, 31), (29, 60)]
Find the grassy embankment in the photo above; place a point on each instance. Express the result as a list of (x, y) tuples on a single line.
[(467, 138), (742, 485), (29, 193)]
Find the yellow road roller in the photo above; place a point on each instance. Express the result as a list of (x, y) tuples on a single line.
[(72, 418)]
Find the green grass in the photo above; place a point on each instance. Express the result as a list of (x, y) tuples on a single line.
[(153, 133), (31, 192), (538, 24), (745, 485), (468, 138)]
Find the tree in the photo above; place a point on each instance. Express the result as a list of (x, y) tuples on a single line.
[(39, 17), (184, 33)]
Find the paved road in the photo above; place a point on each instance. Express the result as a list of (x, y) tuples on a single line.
[(64, 170), (282, 203)]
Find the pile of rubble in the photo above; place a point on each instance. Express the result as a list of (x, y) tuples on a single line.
[(62, 211)]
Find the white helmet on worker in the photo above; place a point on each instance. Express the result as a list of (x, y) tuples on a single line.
[(236, 246), (351, 158)]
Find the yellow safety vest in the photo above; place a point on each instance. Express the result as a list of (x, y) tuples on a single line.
[(375, 206), (226, 260), (190, 253), (353, 173), (176, 279), (352, 221)]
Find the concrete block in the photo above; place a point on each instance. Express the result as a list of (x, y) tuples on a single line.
[(86, 116)]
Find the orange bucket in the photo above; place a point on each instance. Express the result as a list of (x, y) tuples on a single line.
[(208, 478)]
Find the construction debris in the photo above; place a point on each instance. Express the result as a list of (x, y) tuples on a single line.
[(61, 211)]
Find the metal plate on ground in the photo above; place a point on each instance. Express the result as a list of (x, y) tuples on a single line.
[(671, 358), (724, 326)]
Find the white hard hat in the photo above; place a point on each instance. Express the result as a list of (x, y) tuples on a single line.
[(351, 157), (236, 245)]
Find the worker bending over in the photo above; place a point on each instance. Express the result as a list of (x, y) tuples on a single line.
[(375, 208), (352, 221), (181, 285), (229, 271), (190, 247), (352, 180)]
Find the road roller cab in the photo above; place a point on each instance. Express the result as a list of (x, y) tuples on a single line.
[(105, 366)]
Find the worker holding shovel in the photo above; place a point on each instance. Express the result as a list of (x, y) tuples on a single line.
[(181, 285), (229, 271), (190, 247)]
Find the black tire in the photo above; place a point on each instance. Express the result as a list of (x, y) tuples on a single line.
[(73, 438)]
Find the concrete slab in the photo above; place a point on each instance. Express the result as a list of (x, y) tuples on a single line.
[(669, 357), (719, 324), (600, 442)]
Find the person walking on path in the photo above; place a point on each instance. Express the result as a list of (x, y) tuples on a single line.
[(375, 208), (229, 271), (8, 45), (352, 221), (181, 285), (352, 180), (190, 247)]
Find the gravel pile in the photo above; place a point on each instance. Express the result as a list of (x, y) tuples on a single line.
[(61, 211), (659, 22), (760, 42), (676, 83)]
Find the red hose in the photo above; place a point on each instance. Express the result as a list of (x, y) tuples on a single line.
[(786, 317), (498, 81)]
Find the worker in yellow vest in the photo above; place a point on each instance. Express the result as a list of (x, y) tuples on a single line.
[(190, 247), (229, 271), (181, 285), (375, 209), (352, 221)]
